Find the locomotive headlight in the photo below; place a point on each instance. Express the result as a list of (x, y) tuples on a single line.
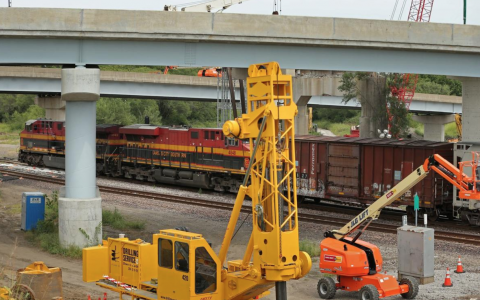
[(231, 129)]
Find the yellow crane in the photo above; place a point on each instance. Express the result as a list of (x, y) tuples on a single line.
[(182, 265)]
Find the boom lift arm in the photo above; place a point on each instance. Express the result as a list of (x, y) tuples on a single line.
[(356, 263), (454, 175)]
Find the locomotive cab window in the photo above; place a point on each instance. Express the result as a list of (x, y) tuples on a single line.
[(194, 134), (59, 126), (165, 253)]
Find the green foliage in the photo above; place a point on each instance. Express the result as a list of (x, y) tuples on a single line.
[(46, 233), (438, 84), (9, 104), (116, 220), (50, 242), (127, 111), (195, 114), (399, 124), (50, 223), (312, 248), (451, 131), (336, 115), (349, 85), (150, 69), (92, 241), (17, 120)]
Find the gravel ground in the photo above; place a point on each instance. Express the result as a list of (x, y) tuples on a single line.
[(213, 223)]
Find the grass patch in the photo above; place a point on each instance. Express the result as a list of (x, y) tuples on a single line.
[(116, 220), (14, 209), (312, 248), (9, 136), (451, 131), (50, 242), (339, 129)]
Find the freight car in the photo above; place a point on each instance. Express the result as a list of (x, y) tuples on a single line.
[(353, 171), (361, 170), (196, 157)]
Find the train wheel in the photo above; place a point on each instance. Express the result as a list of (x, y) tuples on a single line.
[(432, 214)]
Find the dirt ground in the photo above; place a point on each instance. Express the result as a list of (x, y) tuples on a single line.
[(16, 252)]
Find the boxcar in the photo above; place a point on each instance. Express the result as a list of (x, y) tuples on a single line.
[(360, 170)]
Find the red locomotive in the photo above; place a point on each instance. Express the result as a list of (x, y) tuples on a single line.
[(196, 157)]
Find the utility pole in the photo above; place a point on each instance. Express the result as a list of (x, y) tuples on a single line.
[(9, 3), (464, 11)]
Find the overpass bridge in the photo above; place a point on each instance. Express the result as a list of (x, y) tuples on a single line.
[(82, 38), (324, 93)]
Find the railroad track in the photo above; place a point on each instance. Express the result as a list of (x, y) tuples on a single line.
[(464, 238)]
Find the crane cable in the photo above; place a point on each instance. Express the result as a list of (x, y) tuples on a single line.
[(401, 10), (394, 10)]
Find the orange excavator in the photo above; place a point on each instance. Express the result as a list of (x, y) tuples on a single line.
[(357, 264)]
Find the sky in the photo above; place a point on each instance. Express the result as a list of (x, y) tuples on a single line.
[(444, 11)]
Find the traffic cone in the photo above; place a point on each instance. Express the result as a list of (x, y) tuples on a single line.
[(459, 266), (104, 296), (448, 280), (89, 298)]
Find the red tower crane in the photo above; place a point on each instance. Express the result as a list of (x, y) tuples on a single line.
[(405, 84)]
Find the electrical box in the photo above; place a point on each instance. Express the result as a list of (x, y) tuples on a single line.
[(416, 253), (33, 209)]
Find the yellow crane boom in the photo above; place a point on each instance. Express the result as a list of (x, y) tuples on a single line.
[(183, 265)]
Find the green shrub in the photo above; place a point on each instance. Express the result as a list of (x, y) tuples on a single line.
[(312, 248), (116, 220)]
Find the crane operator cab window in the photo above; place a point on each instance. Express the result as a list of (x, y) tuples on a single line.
[(205, 272), (165, 253), (181, 256)]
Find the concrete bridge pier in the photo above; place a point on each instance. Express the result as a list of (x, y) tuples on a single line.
[(434, 126), (301, 119), (80, 205), (470, 109), (54, 107), (371, 94)]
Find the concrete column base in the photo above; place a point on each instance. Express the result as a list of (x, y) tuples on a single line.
[(77, 215), (434, 126)]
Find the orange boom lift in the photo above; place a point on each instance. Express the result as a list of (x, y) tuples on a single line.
[(357, 264)]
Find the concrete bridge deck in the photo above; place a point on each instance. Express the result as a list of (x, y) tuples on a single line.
[(29, 80), (78, 36)]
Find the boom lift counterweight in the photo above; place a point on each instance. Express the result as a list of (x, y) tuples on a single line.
[(357, 263)]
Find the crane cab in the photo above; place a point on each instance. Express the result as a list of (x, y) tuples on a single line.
[(187, 267)]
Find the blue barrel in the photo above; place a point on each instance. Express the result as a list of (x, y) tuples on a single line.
[(33, 209)]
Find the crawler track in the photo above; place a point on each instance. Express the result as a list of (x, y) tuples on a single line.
[(470, 239)]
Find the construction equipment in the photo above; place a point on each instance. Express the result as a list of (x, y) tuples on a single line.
[(204, 6), (458, 123), (184, 263), (404, 85), (210, 72), (357, 263)]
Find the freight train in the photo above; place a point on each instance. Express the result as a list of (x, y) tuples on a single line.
[(353, 171), (195, 157)]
